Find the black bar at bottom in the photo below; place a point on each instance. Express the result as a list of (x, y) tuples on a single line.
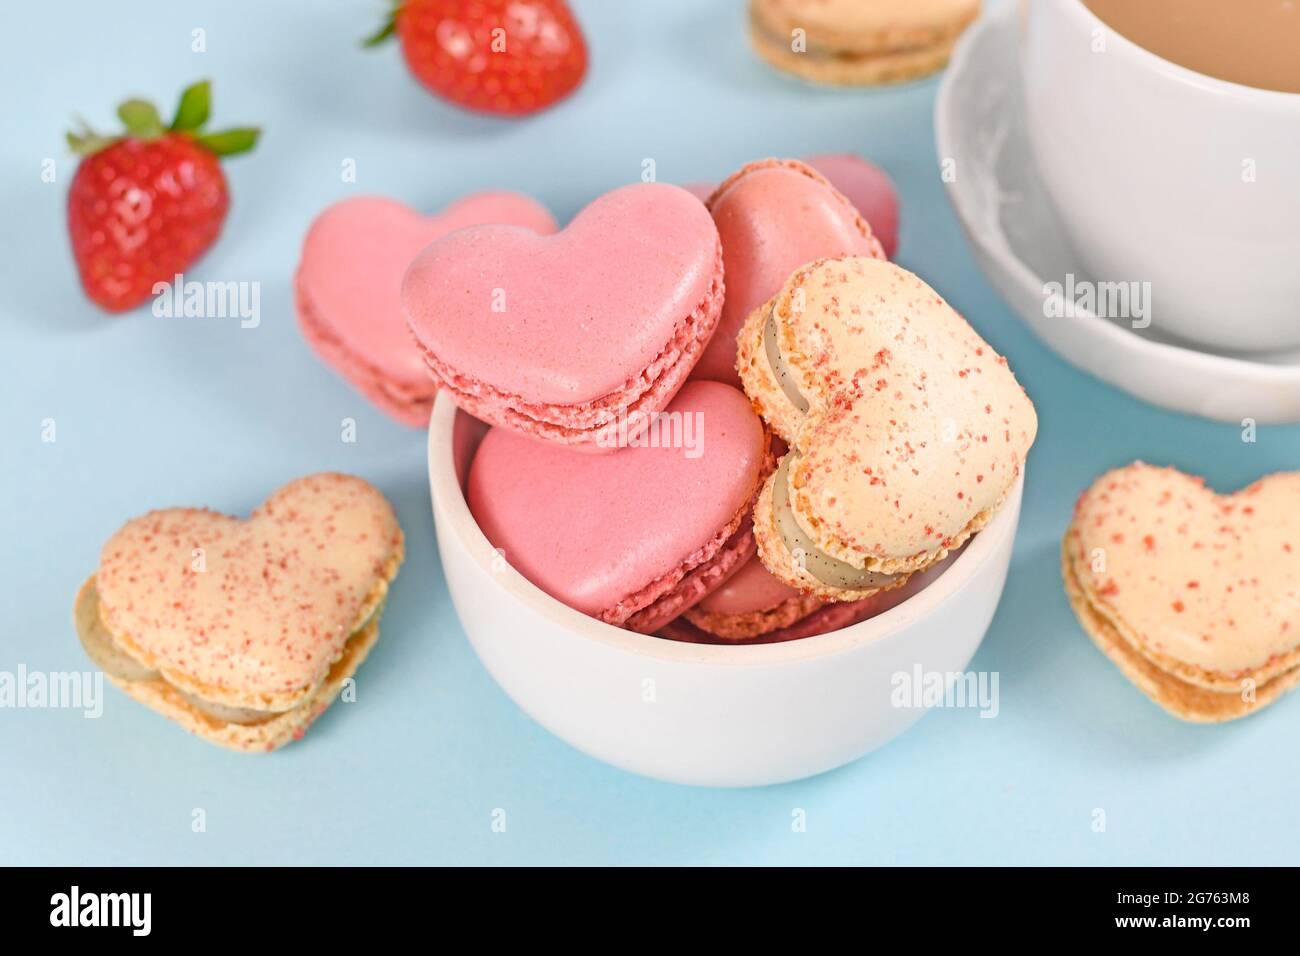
[(333, 905)]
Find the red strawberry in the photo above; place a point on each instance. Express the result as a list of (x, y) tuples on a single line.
[(146, 205), (496, 56)]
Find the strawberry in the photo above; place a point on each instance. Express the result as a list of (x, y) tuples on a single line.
[(146, 205), (496, 56)]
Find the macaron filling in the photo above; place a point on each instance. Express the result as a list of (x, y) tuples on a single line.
[(826, 569), (115, 661), (820, 49), (782, 372)]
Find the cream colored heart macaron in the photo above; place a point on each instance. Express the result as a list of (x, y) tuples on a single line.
[(858, 42), (1195, 596), (906, 430), (243, 632)]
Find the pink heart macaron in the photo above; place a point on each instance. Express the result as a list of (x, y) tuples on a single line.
[(576, 338), (754, 606), (349, 281), (862, 182), (774, 216), (635, 537), (869, 188)]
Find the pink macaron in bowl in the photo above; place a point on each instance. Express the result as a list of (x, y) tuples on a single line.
[(707, 714)]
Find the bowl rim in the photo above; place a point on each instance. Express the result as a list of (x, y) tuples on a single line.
[(452, 513)]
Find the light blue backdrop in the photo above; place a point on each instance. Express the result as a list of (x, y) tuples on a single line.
[(154, 412)]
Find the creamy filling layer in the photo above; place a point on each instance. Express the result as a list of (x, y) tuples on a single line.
[(101, 648), (825, 52), (829, 571), (784, 376)]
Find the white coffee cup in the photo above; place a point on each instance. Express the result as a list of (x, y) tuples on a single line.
[(1167, 176)]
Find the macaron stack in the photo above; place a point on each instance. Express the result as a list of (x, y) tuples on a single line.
[(906, 430), (1195, 596), (625, 472), (578, 338), (858, 42), (349, 282), (244, 631)]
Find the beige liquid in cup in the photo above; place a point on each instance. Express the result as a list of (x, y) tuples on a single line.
[(1252, 42)]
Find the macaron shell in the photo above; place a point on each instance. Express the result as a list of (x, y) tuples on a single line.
[(858, 43), (409, 401), (571, 318), (594, 530), (823, 620), (781, 624), (348, 287), (752, 588), (1206, 586), (743, 626), (270, 733), (791, 568), (774, 216), (916, 429), (251, 613), (1183, 699), (737, 551), (867, 25), (869, 188)]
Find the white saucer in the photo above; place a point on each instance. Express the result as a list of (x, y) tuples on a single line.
[(1019, 243)]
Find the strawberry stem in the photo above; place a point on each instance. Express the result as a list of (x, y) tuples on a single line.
[(387, 28)]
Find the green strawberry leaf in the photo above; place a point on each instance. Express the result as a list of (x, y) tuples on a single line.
[(387, 28), (231, 142), (192, 110), (141, 118), (86, 142)]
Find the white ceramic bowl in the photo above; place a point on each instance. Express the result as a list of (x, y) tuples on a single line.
[(703, 714)]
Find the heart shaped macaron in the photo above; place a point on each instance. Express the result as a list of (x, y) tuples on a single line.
[(349, 282), (1193, 594), (906, 430), (243, 630), (774, 216), (869, 188), (858, 42), (635, 537), (753, 606), (577, 338)]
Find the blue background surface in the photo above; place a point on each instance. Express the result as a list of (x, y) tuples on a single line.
[(154, 412)]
